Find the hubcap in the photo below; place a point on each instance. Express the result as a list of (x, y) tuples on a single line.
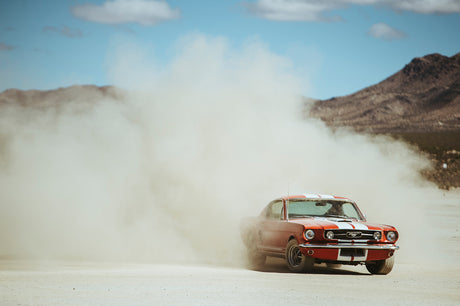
[(295, 256)]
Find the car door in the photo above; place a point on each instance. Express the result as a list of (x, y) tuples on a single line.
[(271, 228)]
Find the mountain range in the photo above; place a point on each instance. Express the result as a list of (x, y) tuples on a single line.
[(419, 104), (424, 96)]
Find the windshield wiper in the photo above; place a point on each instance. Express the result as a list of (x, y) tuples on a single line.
[(299, 216), (339, 216)]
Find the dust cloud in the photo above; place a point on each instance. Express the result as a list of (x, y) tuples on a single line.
[(165, 173)]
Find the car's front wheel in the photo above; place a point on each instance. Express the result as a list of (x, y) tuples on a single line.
[(296, 261), (381, 267)]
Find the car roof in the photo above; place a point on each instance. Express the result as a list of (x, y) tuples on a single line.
[(313, 196)]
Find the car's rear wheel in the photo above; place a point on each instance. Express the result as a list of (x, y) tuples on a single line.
[(256, 259), (381, 267), (296, 261)]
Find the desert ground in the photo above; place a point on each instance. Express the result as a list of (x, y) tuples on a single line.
[(153, 284), (432, 279)]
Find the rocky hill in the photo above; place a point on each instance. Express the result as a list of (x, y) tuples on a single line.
[(419, 104), (84, 94), (423, 96)]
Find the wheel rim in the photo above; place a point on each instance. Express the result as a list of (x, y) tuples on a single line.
[(295, 256)]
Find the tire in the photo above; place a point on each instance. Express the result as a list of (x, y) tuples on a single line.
[(256, 259), (296, 261), (381, 267)]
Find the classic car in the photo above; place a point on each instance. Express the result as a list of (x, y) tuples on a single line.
[(311, 229)]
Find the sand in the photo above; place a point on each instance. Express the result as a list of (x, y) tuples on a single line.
[(415, 279), (27, 283)]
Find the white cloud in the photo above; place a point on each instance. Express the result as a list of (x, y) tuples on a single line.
[(384, 31), (314, 10), (290, 10), (427, 6), (144, 12)]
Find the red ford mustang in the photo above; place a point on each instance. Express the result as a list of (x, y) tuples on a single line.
[(310, 228)]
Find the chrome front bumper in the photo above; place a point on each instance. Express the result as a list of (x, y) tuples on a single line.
[(351, 246)]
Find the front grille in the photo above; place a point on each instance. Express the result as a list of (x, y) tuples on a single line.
[(352, 234)]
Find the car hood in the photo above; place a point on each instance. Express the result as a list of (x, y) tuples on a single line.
[(339, 223)]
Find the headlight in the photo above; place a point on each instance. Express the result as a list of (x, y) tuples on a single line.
[(329, 235), (391, 236), (377, 235), (309, 234)]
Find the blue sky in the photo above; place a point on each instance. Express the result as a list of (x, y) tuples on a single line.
[(337, 46)]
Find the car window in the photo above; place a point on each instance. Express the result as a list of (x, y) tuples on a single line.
[(275, 211), (319, 208), (350, 211), (303, 208)]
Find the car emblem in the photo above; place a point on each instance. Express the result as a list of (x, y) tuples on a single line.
[(354, 234)]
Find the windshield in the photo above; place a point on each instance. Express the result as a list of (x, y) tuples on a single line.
[(322, 208)]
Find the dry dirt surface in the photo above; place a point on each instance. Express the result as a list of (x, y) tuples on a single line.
[(143, 284), (430, 278)]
